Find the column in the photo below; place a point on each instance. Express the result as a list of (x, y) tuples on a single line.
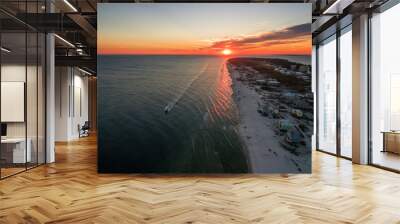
[(360, 90)]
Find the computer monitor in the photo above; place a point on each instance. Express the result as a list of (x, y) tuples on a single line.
[(3, 129)]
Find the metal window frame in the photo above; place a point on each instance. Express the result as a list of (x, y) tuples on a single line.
[(44, 74), (387, 5), (338, 33), (381, 9)]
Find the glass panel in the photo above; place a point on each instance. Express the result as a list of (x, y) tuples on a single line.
[(31, 97), (327, 95), (385, 89), (41, 98), (13, 88), (31, 88), (346, 93), (22, 89)]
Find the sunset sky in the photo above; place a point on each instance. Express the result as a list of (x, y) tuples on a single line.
[(237, 29)]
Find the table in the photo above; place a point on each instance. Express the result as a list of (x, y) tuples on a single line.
[(16, 147), (391, 141)]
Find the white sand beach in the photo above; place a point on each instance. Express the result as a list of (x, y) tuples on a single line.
[(265, 153)]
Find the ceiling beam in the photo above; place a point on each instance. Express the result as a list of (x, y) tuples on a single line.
[(86, 26), (80, 61), (337, 7)]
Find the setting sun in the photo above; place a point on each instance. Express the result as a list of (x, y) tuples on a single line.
[(226, 52), (227, 37)]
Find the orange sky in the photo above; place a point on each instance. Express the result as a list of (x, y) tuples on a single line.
[(204, 29), (303, 47)]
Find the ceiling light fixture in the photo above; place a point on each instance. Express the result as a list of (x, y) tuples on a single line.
[(79, 51), (5, 50), (64, 40), (70, 5)]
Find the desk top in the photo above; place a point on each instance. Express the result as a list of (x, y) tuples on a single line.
[(391, 132), (13, 140)]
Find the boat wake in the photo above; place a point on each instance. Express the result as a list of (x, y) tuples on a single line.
[(175, 101)]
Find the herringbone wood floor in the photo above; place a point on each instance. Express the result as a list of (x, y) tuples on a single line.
[(71, 191)]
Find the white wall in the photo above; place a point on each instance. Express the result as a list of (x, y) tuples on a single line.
[(33, 127), (81, 102), (71, 102), (12, 73), (62, 82)]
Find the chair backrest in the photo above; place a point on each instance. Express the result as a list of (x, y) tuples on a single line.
[(86, 125)]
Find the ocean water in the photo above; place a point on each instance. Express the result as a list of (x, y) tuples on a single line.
[(197, 134), (168, 114)]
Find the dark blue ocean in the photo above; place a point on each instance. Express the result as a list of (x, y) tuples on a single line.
[(167, 114)]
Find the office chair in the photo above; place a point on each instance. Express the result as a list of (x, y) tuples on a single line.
[(84, 130)]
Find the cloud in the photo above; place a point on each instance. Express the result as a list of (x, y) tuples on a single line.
[(283, 36)]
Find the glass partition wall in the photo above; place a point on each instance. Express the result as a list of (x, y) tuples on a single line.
[(14, 153), (327, 95), (345, 91), (22, 98), (385, 89), (334, 94)]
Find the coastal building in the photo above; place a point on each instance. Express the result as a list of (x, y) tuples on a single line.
[(48, 170), (273, 82), (304, 68), (261, 81)]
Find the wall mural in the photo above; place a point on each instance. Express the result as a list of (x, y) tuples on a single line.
[(204, 88)]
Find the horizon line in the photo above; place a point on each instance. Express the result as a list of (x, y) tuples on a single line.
[(216, 55)]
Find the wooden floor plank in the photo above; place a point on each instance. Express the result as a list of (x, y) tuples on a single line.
[(71, 191)]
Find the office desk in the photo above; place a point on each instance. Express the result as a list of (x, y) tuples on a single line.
[(15, 148), (391, 141)]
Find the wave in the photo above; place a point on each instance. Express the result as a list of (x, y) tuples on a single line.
[(168, 108)]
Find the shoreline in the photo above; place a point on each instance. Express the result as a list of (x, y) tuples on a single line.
[(265, 153)]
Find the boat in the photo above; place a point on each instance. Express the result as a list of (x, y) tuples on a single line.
[(168, 108)]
